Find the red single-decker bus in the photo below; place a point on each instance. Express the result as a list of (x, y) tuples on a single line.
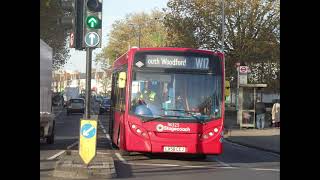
[(168, 100)]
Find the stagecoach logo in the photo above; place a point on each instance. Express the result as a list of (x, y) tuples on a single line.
[(159, 127), (171, 128), (139, 64)]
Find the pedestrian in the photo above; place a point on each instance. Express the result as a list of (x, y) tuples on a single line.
[(260, 114), (276, 114)]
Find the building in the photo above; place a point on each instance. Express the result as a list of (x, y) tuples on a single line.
[(100, 81)]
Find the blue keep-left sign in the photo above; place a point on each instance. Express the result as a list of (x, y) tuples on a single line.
[(88, 131)]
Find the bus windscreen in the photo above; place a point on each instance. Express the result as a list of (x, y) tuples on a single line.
[(176, 85)]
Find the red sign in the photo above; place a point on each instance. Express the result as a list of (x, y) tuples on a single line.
[(71, 40), (243, 69)]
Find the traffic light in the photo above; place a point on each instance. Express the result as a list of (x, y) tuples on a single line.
[(73, 21), (92, 19)]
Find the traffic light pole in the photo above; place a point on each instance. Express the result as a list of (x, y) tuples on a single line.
[(88, 82)]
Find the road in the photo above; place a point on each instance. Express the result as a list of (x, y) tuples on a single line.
[(236, 161)]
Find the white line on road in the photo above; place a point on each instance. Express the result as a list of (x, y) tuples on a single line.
[(176, 165), (146, 164), (121, 158), (56, 155), (107, 135), (102, 152), (222, 163), (235, 144), (73, 144), (195, 166), (263, 169), (61, 152)]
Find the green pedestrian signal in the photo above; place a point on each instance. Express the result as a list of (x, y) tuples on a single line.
[(93, 22)]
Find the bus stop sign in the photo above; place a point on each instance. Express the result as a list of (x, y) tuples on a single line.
[(243, 69), (88, 140)]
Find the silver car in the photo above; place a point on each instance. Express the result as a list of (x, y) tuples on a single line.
[(76, 105)]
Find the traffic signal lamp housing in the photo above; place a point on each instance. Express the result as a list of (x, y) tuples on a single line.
[(74, 21), (92, 19)]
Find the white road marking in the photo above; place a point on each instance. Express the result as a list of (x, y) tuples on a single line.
[(73, 144), (263, 169), (176, 165), (121, 158), (228, 167), (235, 144), (146, 164), (102, 152), (63, 151), (107, 135), (195, 166), (56, 155), (222, 163)]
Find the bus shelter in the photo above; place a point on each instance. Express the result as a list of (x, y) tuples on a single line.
[(246, 107)]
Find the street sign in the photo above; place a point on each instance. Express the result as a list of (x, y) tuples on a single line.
[(71, 40), (243, 69), (92, 39), (88, 140)]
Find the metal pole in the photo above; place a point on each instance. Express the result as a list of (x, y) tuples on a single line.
[(88, 82), (237, 99)]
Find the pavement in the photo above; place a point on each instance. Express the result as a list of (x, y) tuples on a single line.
[(61, 159), (71, 166), (267, 139)]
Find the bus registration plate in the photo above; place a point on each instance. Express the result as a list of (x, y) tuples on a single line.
[(173, 149)]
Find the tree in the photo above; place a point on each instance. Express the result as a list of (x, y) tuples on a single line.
[(55, 36), (125, 34), (252, 32)]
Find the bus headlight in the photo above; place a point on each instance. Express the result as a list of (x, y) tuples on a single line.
[(211, 133), (138, 130)]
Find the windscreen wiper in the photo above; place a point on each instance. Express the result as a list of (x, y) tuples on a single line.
[(159, 117), (184, 111)]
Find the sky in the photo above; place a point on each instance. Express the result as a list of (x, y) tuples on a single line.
[(112, 10)]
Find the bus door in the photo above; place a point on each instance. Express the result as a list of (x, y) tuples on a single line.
[(118, 100), (119, 111)]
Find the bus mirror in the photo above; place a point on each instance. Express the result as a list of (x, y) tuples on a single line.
[(122, 80)]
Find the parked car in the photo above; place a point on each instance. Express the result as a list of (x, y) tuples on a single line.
[(105, 106), (75, 105)]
